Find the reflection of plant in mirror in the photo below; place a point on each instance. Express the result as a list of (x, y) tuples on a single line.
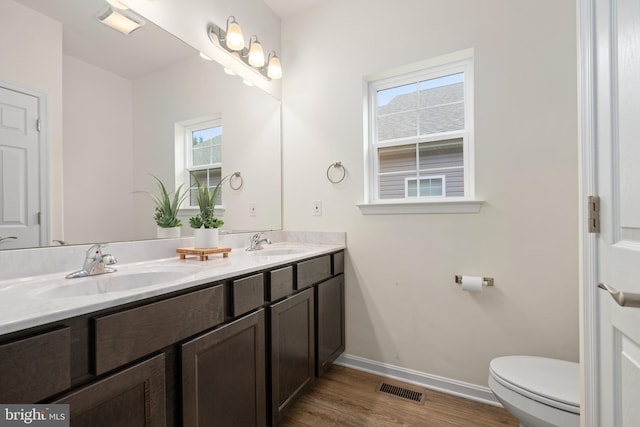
[(166, 206), (206, 199)]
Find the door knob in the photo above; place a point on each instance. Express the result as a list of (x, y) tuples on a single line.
[(623, 299)]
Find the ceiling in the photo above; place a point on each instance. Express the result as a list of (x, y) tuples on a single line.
[(147, 49), (286, 8)]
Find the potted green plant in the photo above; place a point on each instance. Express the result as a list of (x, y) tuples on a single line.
[(205, 223), (166, 209)]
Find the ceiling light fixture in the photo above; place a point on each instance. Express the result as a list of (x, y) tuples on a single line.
[(119, 21), (252, 57)]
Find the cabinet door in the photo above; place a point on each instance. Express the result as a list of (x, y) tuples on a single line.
[(292, 351), (223, 375), (130, 398), (329, 322)]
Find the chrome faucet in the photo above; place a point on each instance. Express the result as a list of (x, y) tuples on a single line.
[(256, 242), (95, 262)]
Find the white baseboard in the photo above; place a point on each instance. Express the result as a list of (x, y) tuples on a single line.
[(432, 382)]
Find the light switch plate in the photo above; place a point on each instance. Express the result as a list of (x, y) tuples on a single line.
[(317, 208)]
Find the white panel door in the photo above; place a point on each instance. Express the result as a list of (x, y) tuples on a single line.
[(19, 170), (618, 181)]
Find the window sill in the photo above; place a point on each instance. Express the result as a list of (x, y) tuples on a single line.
[(430, 207)]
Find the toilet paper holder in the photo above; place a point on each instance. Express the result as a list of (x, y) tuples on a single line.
[(486, 281)]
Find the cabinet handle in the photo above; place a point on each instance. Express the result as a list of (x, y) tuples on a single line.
[(7, 238), (624, 300)]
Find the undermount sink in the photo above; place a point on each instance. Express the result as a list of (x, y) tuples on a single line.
[(119, 281)]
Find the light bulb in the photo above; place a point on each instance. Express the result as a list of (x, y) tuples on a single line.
[(256, 54), (274, 69), (235, 39)]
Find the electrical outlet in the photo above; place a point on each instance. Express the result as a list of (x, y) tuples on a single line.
[(253, 209), (317, 208)]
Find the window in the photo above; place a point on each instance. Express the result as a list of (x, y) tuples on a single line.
[(198, 157), (420, 134)]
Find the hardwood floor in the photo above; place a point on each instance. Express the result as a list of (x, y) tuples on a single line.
[(347, 397)]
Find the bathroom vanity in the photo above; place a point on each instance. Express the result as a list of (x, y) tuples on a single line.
[(237, 349)]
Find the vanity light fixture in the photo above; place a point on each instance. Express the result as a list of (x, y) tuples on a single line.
[(234, 39), (252, 57), (119, 21), (274, 68), (256, 54)]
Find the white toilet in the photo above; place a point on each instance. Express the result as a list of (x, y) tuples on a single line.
[(539, 391)]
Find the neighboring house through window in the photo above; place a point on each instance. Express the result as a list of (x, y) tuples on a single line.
[(420, 136)]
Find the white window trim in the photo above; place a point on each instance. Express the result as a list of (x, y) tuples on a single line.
[(461, 61)]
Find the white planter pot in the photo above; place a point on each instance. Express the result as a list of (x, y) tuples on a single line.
[(168, 233), (205, 238)]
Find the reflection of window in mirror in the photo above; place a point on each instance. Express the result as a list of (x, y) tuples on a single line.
[(200, 144)]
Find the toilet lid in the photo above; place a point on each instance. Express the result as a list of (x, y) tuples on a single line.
[(550, 381)]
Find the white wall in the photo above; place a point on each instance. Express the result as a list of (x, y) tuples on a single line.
[(98, 154), (403, 307), (31, 56)]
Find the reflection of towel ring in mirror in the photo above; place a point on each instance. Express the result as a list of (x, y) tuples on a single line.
[(236, 177), (336, 165)]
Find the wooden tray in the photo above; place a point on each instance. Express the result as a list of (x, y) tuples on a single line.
[(202, 253)]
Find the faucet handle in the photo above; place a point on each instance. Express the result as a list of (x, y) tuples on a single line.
[(95, 250)]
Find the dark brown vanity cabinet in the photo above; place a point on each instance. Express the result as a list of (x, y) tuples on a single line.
[(224, 375), (292, 348), (330, 336), (233, 353), (132, 397), (35, 367)]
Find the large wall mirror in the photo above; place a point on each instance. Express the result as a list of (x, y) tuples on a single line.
[(125, 102)]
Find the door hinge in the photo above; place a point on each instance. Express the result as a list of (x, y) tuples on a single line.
[(38, 125), (39, 218), (594, 214)]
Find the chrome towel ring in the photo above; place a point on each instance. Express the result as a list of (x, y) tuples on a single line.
[(336, 165), (236, 177)]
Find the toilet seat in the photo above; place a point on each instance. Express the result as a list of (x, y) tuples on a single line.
[(548, 381)]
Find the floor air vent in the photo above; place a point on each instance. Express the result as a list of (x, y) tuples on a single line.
[(401, 391)]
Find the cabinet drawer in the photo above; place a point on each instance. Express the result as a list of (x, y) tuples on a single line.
[(34, 368), (338, 263), (128, 335), (313, 271), (247, 294), (280, 283)]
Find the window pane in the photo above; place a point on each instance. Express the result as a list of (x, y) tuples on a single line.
[(394, 159), (412, 188), (207, 146), (434, 155), (440, 91), (399, 125), (208, 177), (397, 99), (431, 187), (393, 186), (443, 118)]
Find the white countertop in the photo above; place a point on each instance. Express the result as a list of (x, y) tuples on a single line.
[(37, 300)]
